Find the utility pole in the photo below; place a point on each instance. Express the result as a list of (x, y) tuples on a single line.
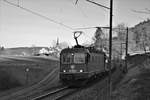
[(126, 50), (121, 51), (110, 48)]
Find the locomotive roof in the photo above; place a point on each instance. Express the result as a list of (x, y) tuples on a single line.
[(71, 50), (79, 48)]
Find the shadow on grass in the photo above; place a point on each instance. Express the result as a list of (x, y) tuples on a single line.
[(7, 81)]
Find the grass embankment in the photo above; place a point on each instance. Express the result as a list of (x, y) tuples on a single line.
[(7, 81), (136, 83), (13, 70)]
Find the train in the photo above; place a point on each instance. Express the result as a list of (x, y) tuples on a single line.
[(81, 63)]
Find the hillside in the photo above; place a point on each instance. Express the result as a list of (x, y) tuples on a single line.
[(145, 24), (21, 51), (135, 84), (140, 34), (138, 39)]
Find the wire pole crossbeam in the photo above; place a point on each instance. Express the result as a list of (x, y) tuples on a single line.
[(126, 69)]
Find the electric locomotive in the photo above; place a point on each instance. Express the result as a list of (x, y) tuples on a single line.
[(81, 63)]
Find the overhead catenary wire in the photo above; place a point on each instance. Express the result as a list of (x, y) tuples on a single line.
[(86, 28), (142, 12), (83, 13), (45, 17), (98, 4), (92, 27), (91, 2), (49, 19), (38, 14)]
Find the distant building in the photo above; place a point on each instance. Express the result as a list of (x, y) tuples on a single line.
[(43, 51)]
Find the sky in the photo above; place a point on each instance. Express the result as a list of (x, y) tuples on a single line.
[(20, 28)]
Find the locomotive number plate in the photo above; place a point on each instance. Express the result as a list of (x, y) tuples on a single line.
[(72, 71)]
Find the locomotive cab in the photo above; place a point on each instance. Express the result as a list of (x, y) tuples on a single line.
[(73, 63)]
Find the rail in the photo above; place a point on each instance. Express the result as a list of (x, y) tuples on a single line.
[(50, 93)]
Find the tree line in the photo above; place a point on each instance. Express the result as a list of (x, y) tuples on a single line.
[(140, 37)]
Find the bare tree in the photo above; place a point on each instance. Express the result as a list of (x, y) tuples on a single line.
[(142, 35), (121, 31), (99, 38)]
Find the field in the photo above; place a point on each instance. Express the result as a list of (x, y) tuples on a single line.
[(19, 71)]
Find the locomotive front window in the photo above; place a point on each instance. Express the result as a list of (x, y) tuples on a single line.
[(66, 58), (79, 58)]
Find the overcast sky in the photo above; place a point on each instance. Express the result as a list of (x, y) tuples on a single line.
[(21, 28)]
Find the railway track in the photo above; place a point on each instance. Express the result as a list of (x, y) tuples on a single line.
[(56, 94), (49, 93), (61, 93), (97, 89)]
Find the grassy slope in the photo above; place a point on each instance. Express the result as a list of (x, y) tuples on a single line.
[(13, 70), (136, 84)]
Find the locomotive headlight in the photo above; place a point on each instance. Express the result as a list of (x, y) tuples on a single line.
[(81, 70), (64, 70)]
